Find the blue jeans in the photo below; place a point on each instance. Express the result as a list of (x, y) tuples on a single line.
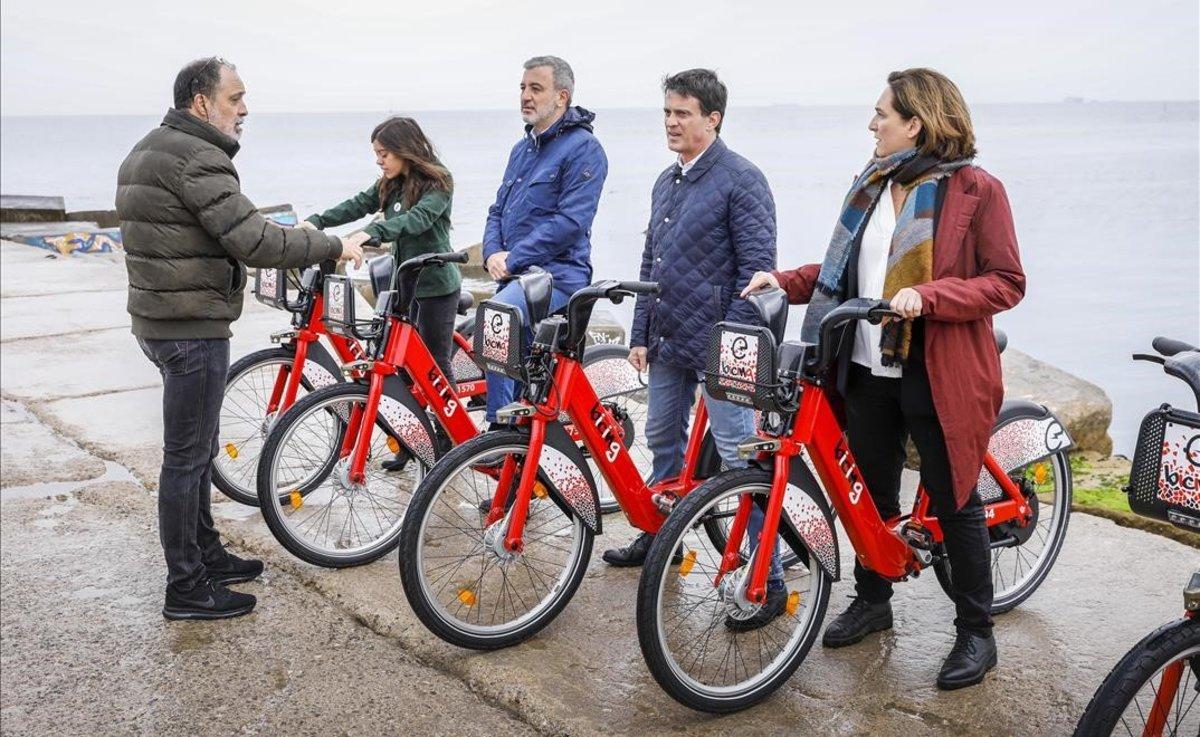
[(500, 389), (672, 393)]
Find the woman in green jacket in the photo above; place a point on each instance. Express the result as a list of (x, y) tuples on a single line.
[(414, 195)]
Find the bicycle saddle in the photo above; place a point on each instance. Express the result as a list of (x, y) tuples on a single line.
[(538, 287), (772, 308), (1001, 339), (466, 301), (379, 270)]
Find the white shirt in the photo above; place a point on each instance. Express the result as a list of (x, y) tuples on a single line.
[(685, 168), (872, 271)]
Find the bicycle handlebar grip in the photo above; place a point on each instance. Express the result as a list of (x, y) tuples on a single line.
[(1170, 346), (455, 257), (639, 287), (879, 310), (372, 243)]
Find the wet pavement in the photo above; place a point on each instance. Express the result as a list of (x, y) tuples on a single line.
[(86, 650)]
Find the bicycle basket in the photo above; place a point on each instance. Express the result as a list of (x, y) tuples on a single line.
[(270, 288), (741, 365), (500, 339), (1165, 480)]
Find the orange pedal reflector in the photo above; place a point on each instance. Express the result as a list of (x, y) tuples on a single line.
[(793, 603), (539, 490), (467, 597), (295, 500), (393, 444), (689, 561), (1039, 474), (231, 450)]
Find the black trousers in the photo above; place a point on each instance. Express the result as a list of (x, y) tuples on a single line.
[(193, 373), (434, 318), (880, 414)]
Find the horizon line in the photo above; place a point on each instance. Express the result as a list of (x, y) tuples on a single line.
[(1066, 100)]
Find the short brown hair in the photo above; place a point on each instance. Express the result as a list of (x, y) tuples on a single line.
[(946, 130)]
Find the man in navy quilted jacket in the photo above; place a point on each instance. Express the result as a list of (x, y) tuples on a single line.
[(712, 225), (546, 203)]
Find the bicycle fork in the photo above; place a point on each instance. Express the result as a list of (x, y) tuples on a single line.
[(760, 559)]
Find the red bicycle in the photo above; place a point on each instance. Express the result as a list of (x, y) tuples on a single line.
[(1154, 691), (263, 385), (321, 485), (497, 537), (695, 588)]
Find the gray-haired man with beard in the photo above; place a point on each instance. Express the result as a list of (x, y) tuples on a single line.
[(189, 233)]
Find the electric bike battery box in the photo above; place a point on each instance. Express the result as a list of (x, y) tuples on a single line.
[(741, 365), (499, 339), (1165, 480)]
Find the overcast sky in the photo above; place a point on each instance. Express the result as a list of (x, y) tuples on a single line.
[(117, 56)]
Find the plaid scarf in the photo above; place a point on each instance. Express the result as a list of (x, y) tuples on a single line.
[(911, 258)]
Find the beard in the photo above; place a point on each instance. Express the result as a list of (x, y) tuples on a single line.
[(540, 114)]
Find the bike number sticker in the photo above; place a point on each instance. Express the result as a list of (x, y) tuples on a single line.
[(1179, 471)]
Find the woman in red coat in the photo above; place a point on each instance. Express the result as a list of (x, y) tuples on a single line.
[(927, 230)]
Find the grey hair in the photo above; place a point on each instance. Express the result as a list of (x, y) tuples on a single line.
[(199, 77), (564, 78)]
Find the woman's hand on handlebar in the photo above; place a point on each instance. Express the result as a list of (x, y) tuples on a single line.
[(306, 225), (352, 248), (760, 280), (907, 302)]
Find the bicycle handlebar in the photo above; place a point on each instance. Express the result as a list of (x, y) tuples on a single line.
[(579, 308), (859, 308)]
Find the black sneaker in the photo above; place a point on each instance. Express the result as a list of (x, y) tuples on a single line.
[(775, 605), (972, 656), (234, 570), (634, 554), (207, 600), (860, 619)]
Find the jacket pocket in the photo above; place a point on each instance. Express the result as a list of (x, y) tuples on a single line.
[(543, 191)]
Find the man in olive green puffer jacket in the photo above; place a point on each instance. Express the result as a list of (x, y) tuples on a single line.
[(189, 232)]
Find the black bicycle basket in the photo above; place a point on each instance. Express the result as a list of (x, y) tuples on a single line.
[(270, 287), (742, 365), (1165, 480), (500, 339)]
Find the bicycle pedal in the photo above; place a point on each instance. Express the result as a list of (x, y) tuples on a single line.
[(916, 537), (664, 502), (281, 336)]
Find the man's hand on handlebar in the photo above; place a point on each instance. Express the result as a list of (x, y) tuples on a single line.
[(352, 248), (907, 303), (497, 265), (760, 280), (637, 357)]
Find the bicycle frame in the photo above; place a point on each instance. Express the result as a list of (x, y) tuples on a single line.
[(602, 435), (287, 382), (405, 351), (877, 542)]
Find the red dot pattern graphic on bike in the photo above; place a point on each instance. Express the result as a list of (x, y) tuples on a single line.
[(317, 375), (408, 429), (570, 482), (1020, 443), (1179, 472), (612, 376), (464, 368), (810, 522)]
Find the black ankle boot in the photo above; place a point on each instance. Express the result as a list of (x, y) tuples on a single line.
[(775, 605), (860, 619), (972, 656), (232, 569), (633, 554)]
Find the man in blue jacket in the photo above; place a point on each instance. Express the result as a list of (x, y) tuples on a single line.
[(712, 225), (545, 206)]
